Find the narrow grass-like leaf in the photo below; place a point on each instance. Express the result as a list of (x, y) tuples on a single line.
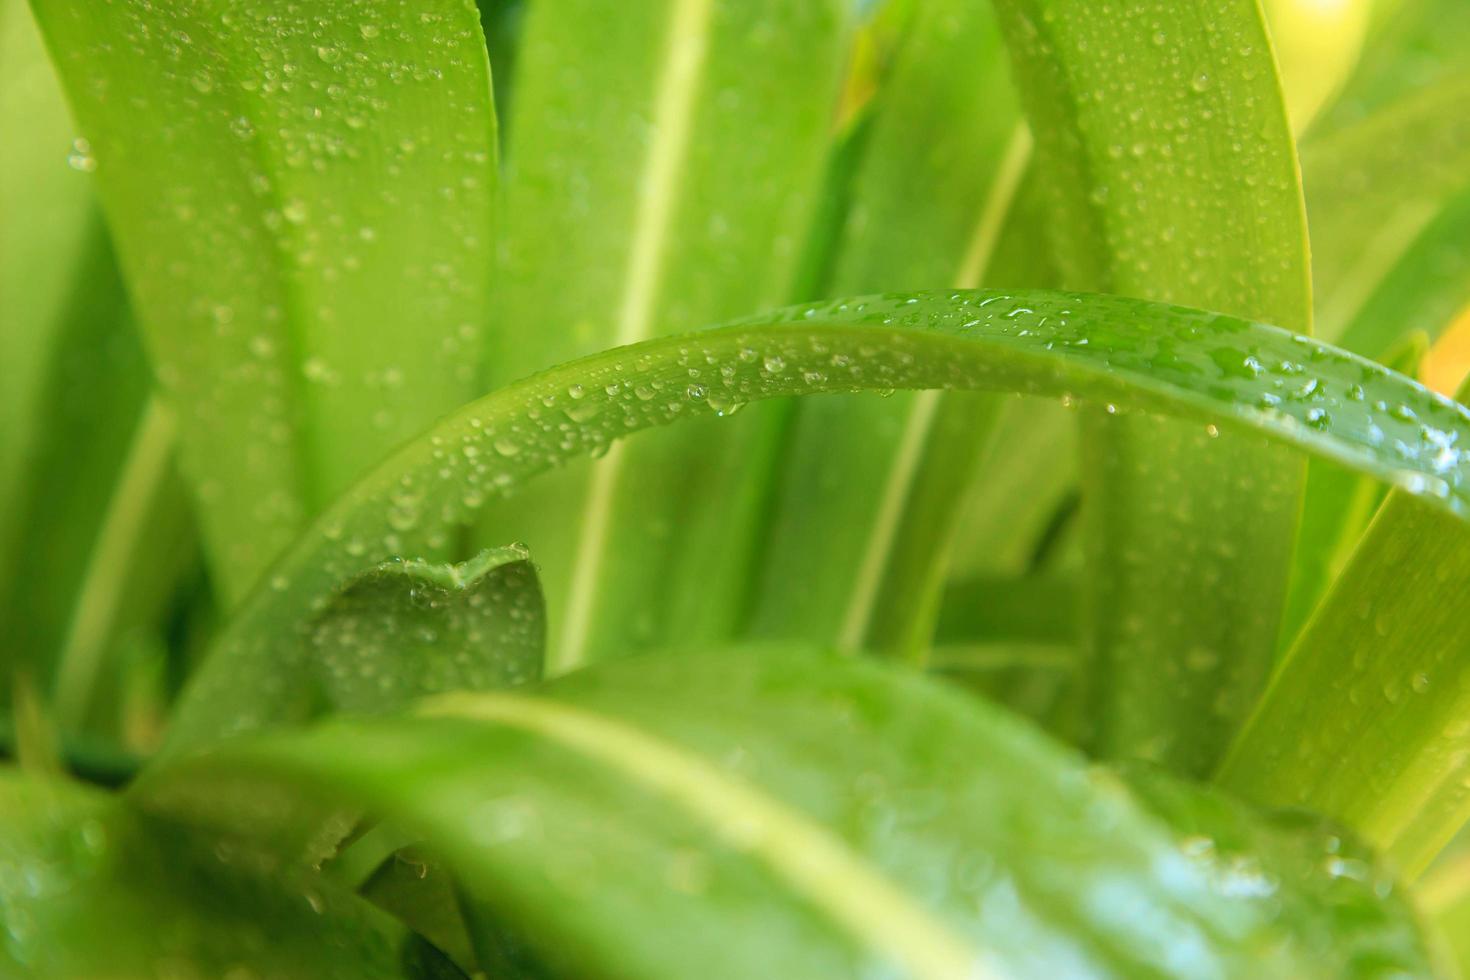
[(1130, 353), (1027, 477), (1380, 284), (77, 487), (1413, 45), (1444, 895), (1374, 189), (856, 818), (1425, 289), (93, 890), (1038, 609), (924, 213), (1167, 145), (140, 549), (45, 233), (301, 201), (635, 162)]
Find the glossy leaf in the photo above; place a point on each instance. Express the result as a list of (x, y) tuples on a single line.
[(855, 818), (1162, 131), (302, 204), (634, 164), (923, 213), (1367, 719), (1133, 354), (1407, 282), (92, 889), (1336, 509), (1445, 898)]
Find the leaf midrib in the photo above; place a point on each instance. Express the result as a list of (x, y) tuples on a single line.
[(815, 863), (676, 89)]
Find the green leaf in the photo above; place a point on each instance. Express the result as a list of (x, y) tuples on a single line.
[(1336, 509), (1039, 608), (93, 527), (45, 234), (1367, 718), (1427, 286), (1162, 131), (923, 214), (635, 162), (302, 202), (1444, 895), (1027, 478), (1133, 354), (417, 889), (92, 889), (1380, 284), (856, 818), (1413, 45), (1374, 190), (407, 629)]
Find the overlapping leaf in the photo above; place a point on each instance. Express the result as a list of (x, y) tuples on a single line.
[(923, 213), (83, 465), (854, 818), (671, 157), (92, 889), (1211, 368), (1174, 174)]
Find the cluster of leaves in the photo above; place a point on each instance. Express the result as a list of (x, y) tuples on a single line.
[(1053, 632)]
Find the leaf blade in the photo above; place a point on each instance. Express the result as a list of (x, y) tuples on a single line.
[(1030, 341), (269, 217), (674, 215), (1188, 538), (731, 778)]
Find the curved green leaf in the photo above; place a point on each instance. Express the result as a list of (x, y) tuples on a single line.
[(1213, 368), (151, 900), (301, 200), (857, 819), (1162, 131)]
